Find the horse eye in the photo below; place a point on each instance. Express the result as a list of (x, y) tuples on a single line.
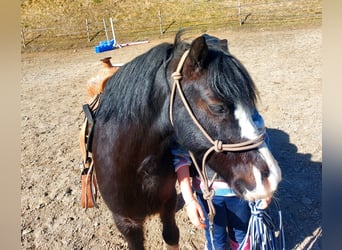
[(217, 108)]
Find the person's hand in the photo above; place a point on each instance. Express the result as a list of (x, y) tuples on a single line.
[(195, 213)]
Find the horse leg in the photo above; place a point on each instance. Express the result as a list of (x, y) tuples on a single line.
[(170, 229), (132, 230)]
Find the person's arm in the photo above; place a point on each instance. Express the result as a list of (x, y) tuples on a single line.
[(184, 181), (193, 208), (181, 162)]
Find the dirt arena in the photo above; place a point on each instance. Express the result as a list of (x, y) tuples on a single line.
[(286, 66)]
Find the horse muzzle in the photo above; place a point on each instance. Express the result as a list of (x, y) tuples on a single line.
[(265, 186)]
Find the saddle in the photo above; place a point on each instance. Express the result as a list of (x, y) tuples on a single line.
[(95, 88)]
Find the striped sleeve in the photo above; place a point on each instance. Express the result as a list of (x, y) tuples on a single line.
[(180, 157)]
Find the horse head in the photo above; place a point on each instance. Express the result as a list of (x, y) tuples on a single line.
[(213, 101)]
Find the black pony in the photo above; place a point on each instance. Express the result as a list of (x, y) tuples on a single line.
[(133, 132)]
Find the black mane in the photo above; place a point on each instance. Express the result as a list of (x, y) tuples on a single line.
[(139, 89), (132, 88), (229, 79)]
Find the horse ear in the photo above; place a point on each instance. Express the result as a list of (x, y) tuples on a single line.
[(224, 44), (198, 53)]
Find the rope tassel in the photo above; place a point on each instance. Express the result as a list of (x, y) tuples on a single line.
[(263, 233)]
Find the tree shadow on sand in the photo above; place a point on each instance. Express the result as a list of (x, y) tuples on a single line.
[(299, 193)]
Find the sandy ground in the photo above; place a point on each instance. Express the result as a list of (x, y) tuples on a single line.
[(287, 68)]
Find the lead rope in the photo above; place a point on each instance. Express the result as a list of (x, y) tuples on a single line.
[(208, 194), (262, 232), (218, 146)]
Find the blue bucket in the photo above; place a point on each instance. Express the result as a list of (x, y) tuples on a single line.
[(105, 46)]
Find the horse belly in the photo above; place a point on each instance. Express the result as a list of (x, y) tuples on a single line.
[(133, 195), (157, 190)]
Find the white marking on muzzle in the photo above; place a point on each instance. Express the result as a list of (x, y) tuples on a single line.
[(250, 131)]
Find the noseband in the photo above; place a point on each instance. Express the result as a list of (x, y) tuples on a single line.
[(217, 145)]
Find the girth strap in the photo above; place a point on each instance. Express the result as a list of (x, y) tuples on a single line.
[(88, 178)]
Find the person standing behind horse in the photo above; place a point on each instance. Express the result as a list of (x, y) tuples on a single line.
[(232, 213)]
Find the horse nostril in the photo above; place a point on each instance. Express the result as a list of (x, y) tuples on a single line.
[(265, 173)]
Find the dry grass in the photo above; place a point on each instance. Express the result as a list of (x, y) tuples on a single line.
[(60, 24)]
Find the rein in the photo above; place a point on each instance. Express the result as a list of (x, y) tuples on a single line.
[(217, 145)]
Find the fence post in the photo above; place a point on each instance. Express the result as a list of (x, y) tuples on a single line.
[(87, 29), (239, 12), (23, 37), (113, 32), (160, 22), (105, 29)]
